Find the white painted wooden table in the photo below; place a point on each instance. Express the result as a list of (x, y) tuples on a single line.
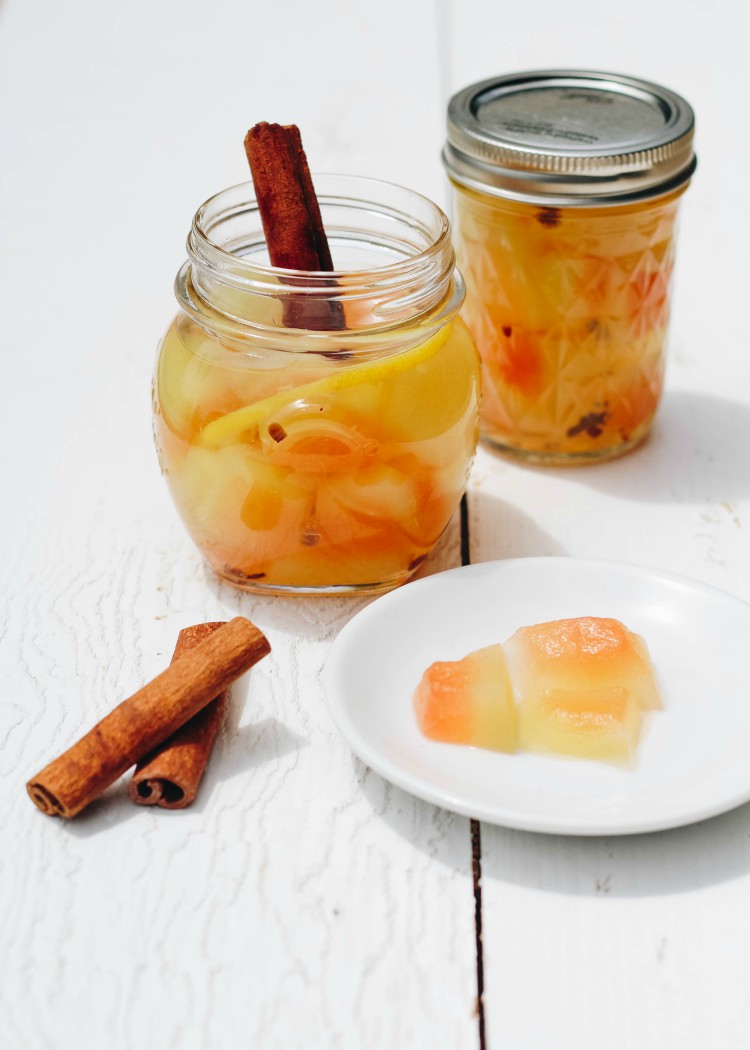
[(303, 902)]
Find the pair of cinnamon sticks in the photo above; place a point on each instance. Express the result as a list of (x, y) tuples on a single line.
[(168, 727)]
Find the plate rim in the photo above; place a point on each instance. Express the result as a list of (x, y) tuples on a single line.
[(516, 820)]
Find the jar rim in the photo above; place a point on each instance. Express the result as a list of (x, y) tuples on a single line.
[(227, 276), (199, 237)]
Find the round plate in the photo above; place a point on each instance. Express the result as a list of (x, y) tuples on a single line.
[(694, 756)]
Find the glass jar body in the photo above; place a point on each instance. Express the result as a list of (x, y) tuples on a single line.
[(315, 461), (569, 308)]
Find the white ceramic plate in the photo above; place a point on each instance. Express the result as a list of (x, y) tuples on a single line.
[(693, 759)]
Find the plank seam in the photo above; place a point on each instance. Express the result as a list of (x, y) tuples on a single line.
[(476, 869), (476, 832)]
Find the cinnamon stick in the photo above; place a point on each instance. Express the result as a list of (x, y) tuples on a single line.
[(287, 202), (291, 218), (69, 783), (169, 775)]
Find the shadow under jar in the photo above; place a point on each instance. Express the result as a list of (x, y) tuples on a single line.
[(566, 189), (316, 430)]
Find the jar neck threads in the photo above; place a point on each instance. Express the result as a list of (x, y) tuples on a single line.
[(395, 279)]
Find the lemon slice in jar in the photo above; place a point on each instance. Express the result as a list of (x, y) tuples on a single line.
[(244, 423)]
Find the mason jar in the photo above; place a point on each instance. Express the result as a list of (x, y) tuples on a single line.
[(566, 191), (316, 430)]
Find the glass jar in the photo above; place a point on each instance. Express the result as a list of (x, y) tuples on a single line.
[(316, 430), (566, 190)]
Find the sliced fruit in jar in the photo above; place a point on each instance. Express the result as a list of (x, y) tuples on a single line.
[(304, 440), (569, 308), (377, 492), (198, 380), (469, 701), (428, 399), (322, 479), (324, 566), (189, 389), (242, 512), (248, 421)]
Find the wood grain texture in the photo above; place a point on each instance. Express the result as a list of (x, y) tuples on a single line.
[(302, 901), (296, 901)]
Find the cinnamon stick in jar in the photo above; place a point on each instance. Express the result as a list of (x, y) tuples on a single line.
[(287, 202), (169, 775), (292, 222), (69, 783)]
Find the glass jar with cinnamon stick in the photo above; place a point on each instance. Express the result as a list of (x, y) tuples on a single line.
[(567, 186), (316, 429)]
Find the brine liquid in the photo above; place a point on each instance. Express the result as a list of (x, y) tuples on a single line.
[(307, 472)]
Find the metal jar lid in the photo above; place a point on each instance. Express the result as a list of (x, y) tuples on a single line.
[(569, 137)]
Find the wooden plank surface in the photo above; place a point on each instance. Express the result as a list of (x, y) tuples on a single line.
[(303, 901)]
